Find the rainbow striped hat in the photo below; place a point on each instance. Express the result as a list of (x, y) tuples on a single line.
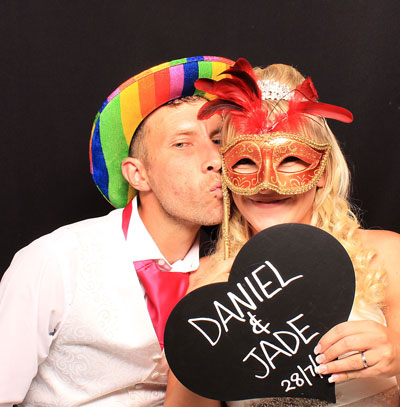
[(128, 105)]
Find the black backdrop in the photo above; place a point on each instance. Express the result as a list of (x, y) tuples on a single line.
[(61, 59)]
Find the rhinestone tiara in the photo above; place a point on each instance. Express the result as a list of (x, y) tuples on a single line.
[(273, 90)]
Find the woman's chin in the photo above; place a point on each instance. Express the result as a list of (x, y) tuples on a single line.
[(265, 224)]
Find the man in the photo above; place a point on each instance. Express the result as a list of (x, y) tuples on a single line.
[(80, 320)]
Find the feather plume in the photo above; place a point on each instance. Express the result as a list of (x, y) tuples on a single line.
[(240, 96)]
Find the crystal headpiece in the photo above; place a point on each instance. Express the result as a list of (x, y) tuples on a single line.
[(273, 90)]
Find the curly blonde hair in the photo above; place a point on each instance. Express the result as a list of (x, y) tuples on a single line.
[(332, 211)]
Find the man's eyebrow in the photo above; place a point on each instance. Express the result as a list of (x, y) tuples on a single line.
[(183, 132), (216, 131), (189, 131)]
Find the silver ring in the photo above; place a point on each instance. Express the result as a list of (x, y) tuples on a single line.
[(364, 360)]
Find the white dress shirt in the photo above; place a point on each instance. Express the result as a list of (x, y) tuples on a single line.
[(38, 290)]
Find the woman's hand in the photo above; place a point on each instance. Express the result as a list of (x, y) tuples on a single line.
[(371, 348), (210, 272)]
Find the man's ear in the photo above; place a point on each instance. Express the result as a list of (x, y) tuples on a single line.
[(135, 173)]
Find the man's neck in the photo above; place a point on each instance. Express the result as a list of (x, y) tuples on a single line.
[(174, 238)]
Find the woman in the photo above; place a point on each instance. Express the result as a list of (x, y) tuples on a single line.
[(269, 114)]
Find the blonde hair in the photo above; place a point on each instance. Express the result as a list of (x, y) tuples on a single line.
[(332, 211)]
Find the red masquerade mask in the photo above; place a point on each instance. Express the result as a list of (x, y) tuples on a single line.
[(266, 151), (286, 163)]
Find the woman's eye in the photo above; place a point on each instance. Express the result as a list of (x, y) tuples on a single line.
[(245, 166), (292, 164)]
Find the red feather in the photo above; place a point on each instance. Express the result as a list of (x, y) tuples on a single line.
[(217, 106), (307, 89), (240, 96)]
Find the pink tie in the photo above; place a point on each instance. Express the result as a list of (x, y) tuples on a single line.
[(164, 289)]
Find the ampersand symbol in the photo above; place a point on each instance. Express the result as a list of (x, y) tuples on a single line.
[(256, 324)]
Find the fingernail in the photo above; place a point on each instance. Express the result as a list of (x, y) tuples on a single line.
[(321, 369), (333, 378), (317, 349), (320, 358)]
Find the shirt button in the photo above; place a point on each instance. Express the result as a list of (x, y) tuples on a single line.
[(155, 375), (161, 262)]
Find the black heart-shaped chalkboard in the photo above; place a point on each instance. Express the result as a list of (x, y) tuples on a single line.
[(253, 337)]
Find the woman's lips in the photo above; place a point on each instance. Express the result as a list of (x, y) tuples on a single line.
[(268, 201)]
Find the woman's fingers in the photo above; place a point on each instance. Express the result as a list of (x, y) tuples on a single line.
[(356, 349)]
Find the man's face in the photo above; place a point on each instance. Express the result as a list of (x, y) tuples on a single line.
[(183, 163)]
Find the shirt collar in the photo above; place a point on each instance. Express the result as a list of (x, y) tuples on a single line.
[(142, 247)]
